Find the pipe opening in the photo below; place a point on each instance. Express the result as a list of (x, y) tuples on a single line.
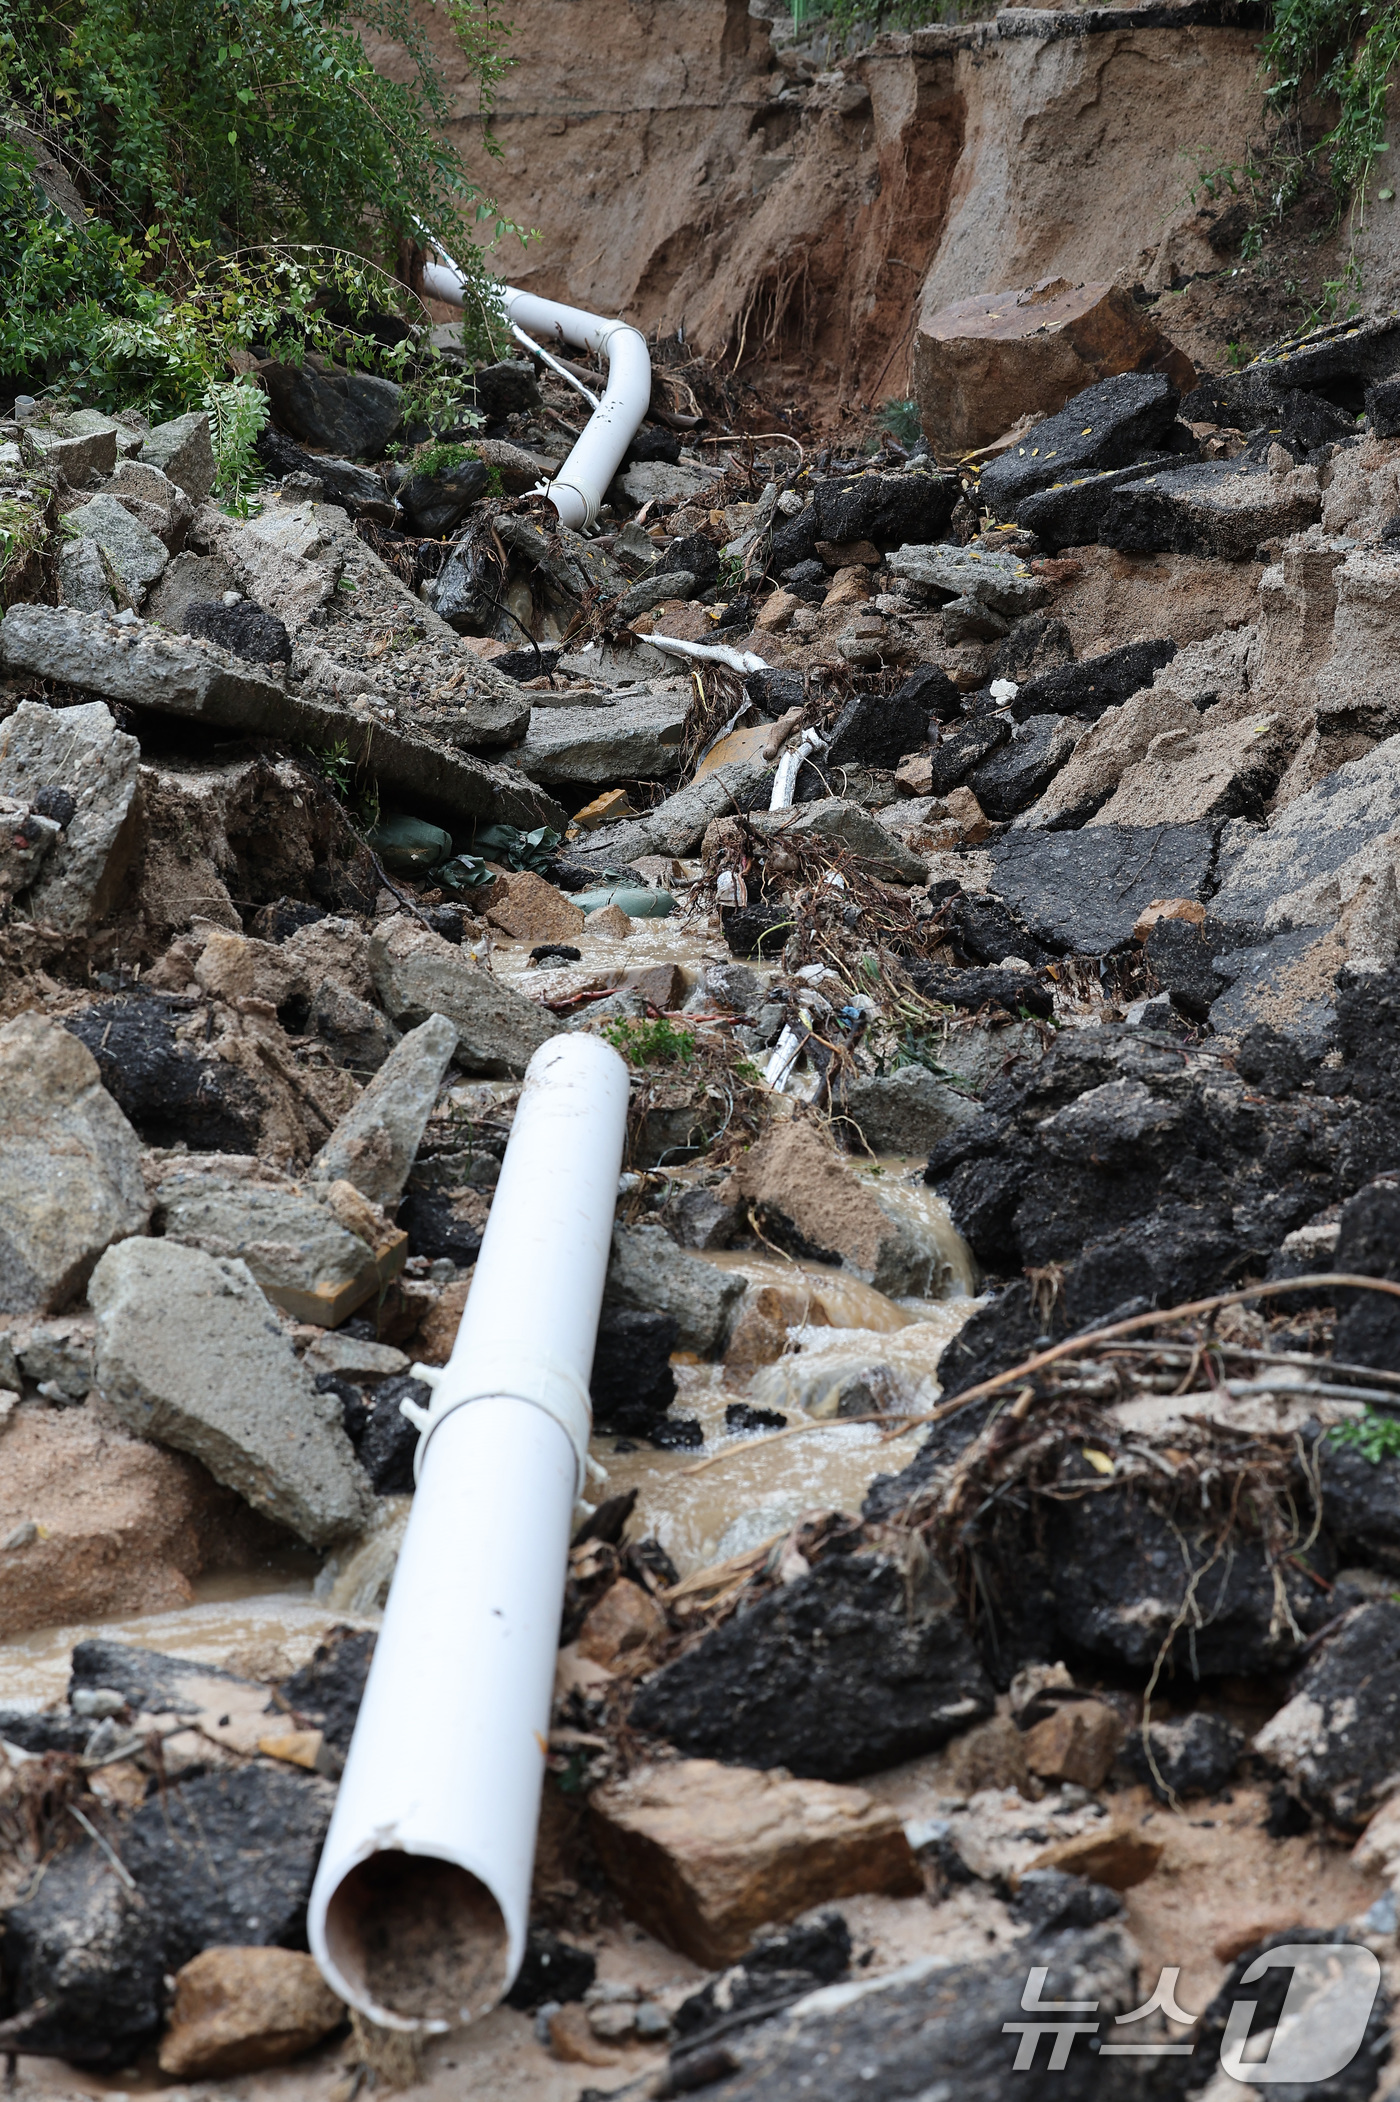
[(418, 1939)]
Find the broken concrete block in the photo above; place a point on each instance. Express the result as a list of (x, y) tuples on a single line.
[(138, 664), (82, 577), (418, 974), (308, 1261), (283, 559), (133, 550), (1227, 508), (1020, 772), (1336, 1737), (190, 1353), (1108, 425), (1083, 891), (636, 737), (82, 758), (25, 838), (80, 457), (1108, 749), (702, 1855), (807, 1199), (905, 1112), (143, 488), (983, 576), (183, 450), (189, 580), (373, 1147), (677, 825), (982, 363), (846, 825), (528, 909), (1312, 857), (70, 1167), (648, 1272), (846, 1671), (237, 2010), (1221, 766)]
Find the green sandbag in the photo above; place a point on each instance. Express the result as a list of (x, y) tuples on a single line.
[(409, 843), (638, 904)]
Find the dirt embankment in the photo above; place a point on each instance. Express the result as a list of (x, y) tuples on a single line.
[(691, 167)]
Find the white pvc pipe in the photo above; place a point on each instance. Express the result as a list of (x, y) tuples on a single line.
[(420, 1907), (790, 766), (577, 490)]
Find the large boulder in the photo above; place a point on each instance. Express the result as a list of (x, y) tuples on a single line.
[(1106, 426), (982, 363)]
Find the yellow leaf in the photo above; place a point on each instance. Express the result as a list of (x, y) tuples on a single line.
[(1099, 1461)]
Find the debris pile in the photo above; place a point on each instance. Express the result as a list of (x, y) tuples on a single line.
[(987, 872)]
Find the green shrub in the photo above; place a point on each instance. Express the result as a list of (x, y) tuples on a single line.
[(255, 178)]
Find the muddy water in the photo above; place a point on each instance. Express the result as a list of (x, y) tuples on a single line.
[(260, 1626)]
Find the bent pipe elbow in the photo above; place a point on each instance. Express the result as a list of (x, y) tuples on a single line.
[(577, 491)]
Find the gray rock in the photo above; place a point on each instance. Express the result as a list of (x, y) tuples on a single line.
[(80, 750), (1313, 855), (59, 1357), (296, 1250), (26, 837), (81, 457), (374, 1144), (904, 1112), (354, 414), (134, 552), (178, 676), (139, 483), (665, 482), (82, 578), (1220, 507), (417, 975), (935, 2031), (651, 591), (1336, 1737), (1013, 777), (1083, 891), (70, 1167), (190, 1353), (1194, 1754), (636, 737), (355, 1033), (435, 503), (847, 825), (647, 1272), (183, 450), (992, 578), (697, 1219), (190, 580)]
